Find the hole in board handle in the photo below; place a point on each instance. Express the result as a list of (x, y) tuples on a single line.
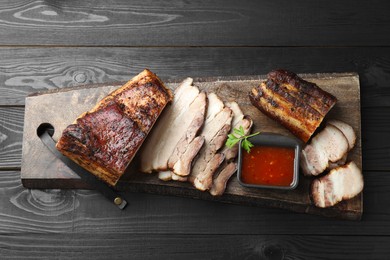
[(45, 127)]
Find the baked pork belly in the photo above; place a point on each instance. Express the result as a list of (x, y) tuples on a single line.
[(297, 104), (329, 145), (229, 166), (174, 141), (105, 139), (347, 130), (215, 131), (328, 149), (341, 183), (220, 182)]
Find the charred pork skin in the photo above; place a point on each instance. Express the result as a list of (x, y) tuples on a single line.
[(297, 104), (105, 139)]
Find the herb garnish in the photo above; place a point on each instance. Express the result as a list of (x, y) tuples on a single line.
[(232, 139)]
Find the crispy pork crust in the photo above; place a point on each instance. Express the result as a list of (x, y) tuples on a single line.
[(105, 139), (297, 104)]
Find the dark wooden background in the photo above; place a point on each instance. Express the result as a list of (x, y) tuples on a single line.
[(56, 44)]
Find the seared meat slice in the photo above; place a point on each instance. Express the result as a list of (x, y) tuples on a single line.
[(297, 104), (228, 168), (215, 131), (189, 145), (239, 119), (330, 145), (186, 153), (204, 180), (341, 183), (219, 183), (105, 139), (175, 131), (347, 131)]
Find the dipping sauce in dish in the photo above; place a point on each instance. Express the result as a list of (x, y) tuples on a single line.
[(268, 165)]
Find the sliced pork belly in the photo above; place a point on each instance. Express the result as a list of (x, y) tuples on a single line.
[(189, 145), (341, 183), (178, 125), (347, 131), (187, 152), (228, 168), (333, 141), (219, 183), (239, 119), (330, 145), (209, 160), (204, 180), (216, 128)]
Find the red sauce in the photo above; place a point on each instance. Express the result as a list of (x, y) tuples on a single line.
[(268, 166)]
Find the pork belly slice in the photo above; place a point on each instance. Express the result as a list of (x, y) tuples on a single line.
[(176, 129), (220, 182), (347, 131), (204, 180), (239, 119), (341, 183), (105, 139), (215, 131), (330, 145), (189, 145), (297, 104), (229, 167), (209, 160), (180, 163)]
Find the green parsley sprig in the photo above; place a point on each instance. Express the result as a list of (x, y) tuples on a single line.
[(233, 139)]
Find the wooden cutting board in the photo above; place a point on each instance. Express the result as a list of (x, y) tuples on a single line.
[(40, 169)]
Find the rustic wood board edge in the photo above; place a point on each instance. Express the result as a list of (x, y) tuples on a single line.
[(157, 188), (354, 215)]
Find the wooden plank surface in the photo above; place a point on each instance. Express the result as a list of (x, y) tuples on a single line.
[(267, 247), (195, 23), (27, 70), (86, 211), (41, 170)]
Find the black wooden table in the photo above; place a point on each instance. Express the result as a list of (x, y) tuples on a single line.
[(57, 44)]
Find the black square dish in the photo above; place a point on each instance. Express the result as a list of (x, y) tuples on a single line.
[(272, 142)]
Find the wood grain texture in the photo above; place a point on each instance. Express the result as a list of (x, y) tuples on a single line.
[(38, 211), (124, 246), (82, 211), (190, 23), (27, 70), (11, 129)]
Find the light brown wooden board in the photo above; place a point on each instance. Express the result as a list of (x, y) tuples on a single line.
[(40, 169)]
